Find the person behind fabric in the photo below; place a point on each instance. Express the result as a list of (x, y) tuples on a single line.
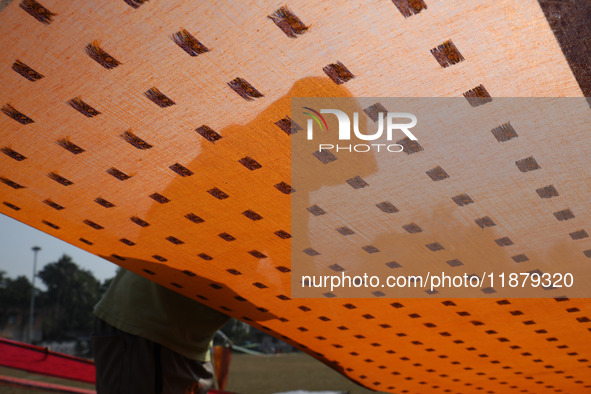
[(150, 339)]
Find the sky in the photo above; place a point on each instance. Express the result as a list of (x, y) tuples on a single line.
[(16, 255)]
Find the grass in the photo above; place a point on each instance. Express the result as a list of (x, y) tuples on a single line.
[(285, 372)]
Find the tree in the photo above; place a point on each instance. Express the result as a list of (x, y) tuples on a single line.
[(71, 295), (15, 294), (107, 282), (238, 332)]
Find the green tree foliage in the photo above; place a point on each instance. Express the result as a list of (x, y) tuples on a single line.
[(69, 299), (243, 335), (14, 293), (107, 282), (238, 332)]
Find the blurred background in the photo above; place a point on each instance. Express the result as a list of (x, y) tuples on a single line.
[(68, 282)]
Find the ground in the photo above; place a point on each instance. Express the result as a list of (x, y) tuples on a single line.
[(272, 374), (248, 375)]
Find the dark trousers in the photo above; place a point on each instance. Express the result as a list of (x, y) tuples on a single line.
[(129, 364)]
